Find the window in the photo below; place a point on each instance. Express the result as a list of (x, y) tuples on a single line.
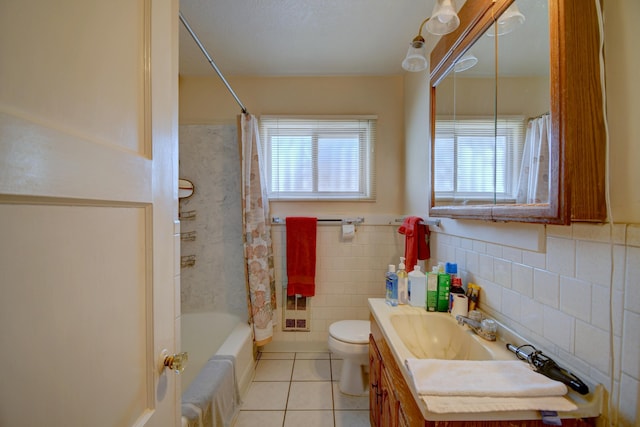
[(319, 158), (474, 156)]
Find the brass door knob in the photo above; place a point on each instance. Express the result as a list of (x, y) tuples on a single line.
[(177, 362)]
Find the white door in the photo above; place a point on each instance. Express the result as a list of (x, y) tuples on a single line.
[(88, 201)]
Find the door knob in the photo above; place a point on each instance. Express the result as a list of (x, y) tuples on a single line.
[(176, 362)]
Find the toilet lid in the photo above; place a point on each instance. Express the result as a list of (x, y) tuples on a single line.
[(351, 331)]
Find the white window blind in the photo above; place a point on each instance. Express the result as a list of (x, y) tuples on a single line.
[(478, 159), (319, 158)]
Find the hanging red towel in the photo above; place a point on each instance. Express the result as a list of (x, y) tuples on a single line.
[(301, 256), (416, 245)]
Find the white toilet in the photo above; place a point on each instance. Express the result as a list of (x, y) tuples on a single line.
[(349, 340)]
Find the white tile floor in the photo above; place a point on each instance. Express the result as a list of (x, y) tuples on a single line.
[(300, 389)]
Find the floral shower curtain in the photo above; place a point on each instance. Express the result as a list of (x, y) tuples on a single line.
[(533, 185), (258, 250)]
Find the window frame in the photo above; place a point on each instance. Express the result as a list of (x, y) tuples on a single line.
[(311, 127)]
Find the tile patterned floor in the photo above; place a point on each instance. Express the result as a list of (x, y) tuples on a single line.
[(300, 389)]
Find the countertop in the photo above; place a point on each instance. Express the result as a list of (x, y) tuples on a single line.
[(589, 405)]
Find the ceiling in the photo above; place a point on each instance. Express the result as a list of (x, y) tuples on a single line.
[(300, 37), (337, 37)]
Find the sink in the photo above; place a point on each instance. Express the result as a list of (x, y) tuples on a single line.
[(438, 336), (405, 332)]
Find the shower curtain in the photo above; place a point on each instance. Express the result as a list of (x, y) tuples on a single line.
[(258, 251), (533, 184)]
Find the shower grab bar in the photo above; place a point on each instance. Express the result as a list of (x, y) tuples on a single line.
[(213, 64)]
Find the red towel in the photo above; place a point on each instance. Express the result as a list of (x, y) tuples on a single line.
[(301, 256), (416, 244)]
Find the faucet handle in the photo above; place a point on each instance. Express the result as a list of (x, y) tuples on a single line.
[(488, 329), (489, 325)]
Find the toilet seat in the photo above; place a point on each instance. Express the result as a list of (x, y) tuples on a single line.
[(351, 331)]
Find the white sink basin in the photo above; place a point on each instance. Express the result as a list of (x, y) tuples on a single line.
[(438, 336)]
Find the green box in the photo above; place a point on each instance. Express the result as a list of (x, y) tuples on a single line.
[(432, 291), (444, 283)]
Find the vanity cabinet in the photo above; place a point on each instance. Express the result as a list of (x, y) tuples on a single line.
[(375, 362), (392, 404)]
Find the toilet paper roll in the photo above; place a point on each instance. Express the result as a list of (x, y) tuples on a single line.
[(460, 305), (348, 231)]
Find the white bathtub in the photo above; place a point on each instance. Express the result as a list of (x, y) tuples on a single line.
[(206, 334)]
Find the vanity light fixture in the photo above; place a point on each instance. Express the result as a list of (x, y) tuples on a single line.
[(467, 61), (443, 20), (508, 21)]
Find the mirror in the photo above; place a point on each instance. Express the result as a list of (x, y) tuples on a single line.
[(185, 188), (500, 144)]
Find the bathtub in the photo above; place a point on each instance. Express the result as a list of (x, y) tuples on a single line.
[(206, 334)]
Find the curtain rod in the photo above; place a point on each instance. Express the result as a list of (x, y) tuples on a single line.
[(213, 64)]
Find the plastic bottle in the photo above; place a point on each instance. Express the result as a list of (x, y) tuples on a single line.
[(418, 286), (451, 268), (456, 288), (432, 289), (403, 283), (391, 283), (444, 283)]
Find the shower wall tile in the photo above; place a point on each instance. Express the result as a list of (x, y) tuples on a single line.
[(209, 158)]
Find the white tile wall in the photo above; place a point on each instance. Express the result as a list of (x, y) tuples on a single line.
[(347, 275), (560, 300)]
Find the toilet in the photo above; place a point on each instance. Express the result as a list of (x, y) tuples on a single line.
[(349, 340)]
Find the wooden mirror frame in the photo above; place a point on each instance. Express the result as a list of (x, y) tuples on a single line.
[(578, 140)]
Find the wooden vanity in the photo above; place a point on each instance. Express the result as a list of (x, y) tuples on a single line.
[(392, 402)]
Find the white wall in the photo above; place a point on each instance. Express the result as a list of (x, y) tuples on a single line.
[(205, 100)]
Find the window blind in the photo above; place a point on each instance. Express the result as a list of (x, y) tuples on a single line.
[(319, 158), (478, 158)]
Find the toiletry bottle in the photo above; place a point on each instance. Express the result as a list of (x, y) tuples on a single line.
[(418, 286), (473, 293), (432, 289), (403, 283), (451, 268), (444, 283), (391, 283), (456, 288)]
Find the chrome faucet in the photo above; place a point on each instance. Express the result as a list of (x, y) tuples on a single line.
[(485, 329)]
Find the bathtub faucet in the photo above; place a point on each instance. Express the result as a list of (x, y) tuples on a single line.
[(486, 329)]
